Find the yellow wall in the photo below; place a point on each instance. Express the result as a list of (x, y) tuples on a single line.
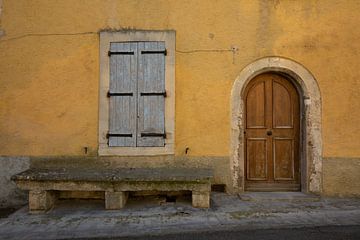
[(341, 178), (49, 66)]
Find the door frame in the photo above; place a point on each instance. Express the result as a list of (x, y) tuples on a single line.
[(310, 121)]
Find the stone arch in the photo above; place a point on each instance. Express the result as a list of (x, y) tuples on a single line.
[(311, 153)]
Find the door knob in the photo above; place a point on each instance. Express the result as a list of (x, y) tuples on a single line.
[(269, 132)]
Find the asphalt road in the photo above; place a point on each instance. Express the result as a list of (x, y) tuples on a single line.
[(317, 233)]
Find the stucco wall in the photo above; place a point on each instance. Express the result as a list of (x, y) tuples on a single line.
[(49, 67)]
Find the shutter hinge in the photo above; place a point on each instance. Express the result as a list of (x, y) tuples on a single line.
[(119, 53), (108, 135), (155, 52), (154, 94), (163, 135), (109, 94)]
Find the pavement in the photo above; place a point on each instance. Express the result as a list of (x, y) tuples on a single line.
[(304, 233), (158, 216)]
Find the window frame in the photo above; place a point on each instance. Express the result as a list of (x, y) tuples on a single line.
[(136, 36)]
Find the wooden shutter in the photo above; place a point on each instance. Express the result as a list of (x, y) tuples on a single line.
[(122, 93), (151, 97)]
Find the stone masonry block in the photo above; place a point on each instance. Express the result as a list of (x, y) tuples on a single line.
[(201, 199), (41, 201), (115, 200)]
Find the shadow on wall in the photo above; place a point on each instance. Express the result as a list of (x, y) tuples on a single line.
[(10, 195)]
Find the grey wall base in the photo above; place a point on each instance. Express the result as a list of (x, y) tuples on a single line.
[(10, 195)]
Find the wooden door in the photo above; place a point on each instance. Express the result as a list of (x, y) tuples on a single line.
[(272, 134)]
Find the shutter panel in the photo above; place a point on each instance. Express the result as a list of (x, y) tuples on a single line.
[(151, 105), (123, 74)]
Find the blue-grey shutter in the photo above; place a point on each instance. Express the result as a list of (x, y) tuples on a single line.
[(151, 104), (123, 93)]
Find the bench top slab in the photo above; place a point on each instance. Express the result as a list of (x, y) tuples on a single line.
[(117, 175)]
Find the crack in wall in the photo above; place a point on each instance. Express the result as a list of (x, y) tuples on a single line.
[(232, 49), (2, 32), (205, 50), (46, 34)]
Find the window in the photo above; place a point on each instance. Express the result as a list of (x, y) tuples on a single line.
[(137, 93)]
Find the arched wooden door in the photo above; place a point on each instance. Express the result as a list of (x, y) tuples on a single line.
[(272, 134)]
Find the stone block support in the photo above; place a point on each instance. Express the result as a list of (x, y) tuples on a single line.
[(201, 199), (41, 201), (115, 200)]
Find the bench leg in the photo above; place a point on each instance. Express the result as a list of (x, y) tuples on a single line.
[(41, 201), (115, 200), (201, 199)]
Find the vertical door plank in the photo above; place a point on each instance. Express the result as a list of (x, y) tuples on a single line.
[(282, 112), (269, 124), (123, 74), (283, 149)]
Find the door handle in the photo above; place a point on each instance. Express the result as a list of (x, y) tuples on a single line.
[(269, 132)]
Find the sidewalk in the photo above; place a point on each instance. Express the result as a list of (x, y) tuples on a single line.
[(153, 216)]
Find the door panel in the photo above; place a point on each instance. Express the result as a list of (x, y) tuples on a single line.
[(283, 158), (272, 134), (256, 114), (282, 107), (256, 155)]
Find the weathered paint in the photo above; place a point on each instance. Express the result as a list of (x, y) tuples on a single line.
[(49, 67)]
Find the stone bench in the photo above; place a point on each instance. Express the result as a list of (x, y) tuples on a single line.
[(45, 184)]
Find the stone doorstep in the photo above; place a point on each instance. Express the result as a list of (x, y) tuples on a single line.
[(45, 184), (278, 196)]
